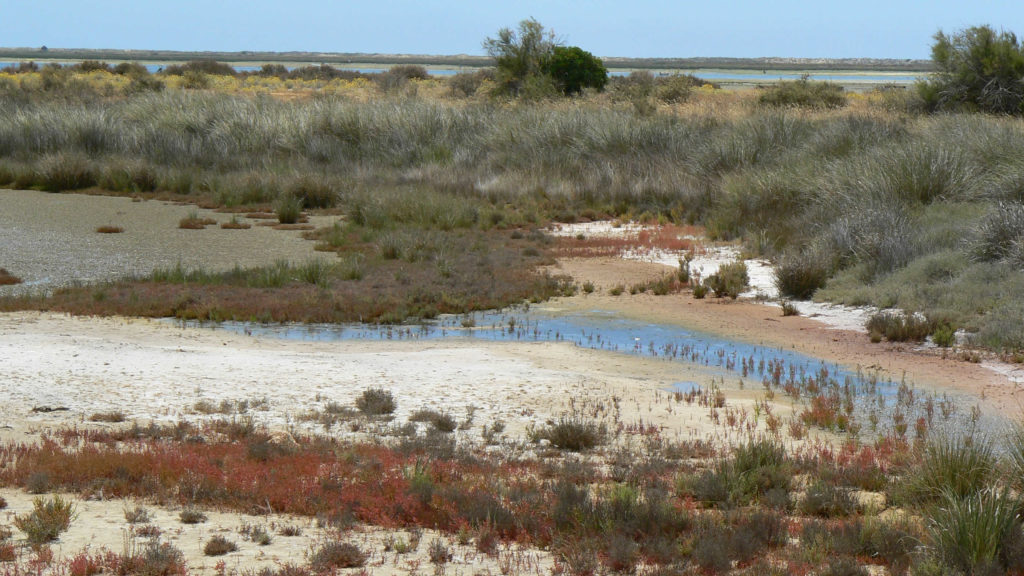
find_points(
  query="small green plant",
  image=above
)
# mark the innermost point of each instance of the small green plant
(441, 421)
(588, 287)
(700, 291)
(617, 290)
(47, 520)
(789, 309)
(376, 402)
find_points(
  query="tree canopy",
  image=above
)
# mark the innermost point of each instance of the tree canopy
(573, 68)
(531, 58)
(977, 69)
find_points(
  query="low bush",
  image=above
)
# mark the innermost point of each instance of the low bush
(574, 434)
(219, 546)
(333, 555)
(191, 516)
(441, 421)
(803, 93)
(898, 326)
(799, 275)
(376, 402)
(136, 515)
(730, 280)
(827, 501)
(60, 172)
(47, 520)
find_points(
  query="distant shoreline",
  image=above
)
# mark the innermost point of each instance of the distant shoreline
(463, 60)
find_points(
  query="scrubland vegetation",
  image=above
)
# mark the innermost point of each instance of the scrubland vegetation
(441, 187)
(861, 198)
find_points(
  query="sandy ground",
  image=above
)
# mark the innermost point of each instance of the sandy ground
(50, 240)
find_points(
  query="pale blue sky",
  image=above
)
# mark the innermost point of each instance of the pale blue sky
(660, 28)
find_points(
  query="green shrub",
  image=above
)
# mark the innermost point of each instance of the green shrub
(977, 69)
(803, 93)
(899, 326)
(944, 336)
(441, 421)
(47, 520)
(730, 280)
(376, 402)
(799, 275)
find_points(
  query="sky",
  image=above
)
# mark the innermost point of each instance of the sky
(639, 28)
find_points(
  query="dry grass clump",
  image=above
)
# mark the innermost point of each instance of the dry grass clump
(333, 555)
(7, 279)
(112, 416)
(109, 229)
(376, 402)
(194, 222)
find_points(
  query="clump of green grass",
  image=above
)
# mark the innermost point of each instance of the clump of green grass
(288, 209)
(64, 171)
(47, 520)
(972, 533)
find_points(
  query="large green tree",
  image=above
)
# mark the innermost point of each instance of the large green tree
(976, 69)
(531, 61)
(521, 54)
(573, 69)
